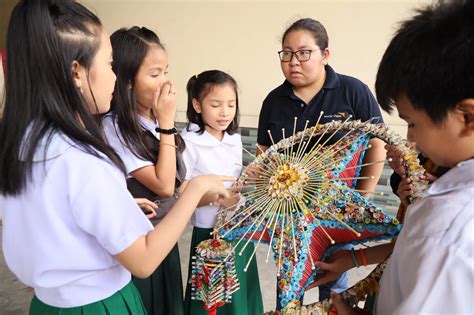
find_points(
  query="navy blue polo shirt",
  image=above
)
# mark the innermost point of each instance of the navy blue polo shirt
(339, 97)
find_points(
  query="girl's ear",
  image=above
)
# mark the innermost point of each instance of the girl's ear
(197, 106)
(78, 74)
(325, 56)
(465, 109)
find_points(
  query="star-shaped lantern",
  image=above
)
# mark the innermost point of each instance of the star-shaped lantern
(303, 201)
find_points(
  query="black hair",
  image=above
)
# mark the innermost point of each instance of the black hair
(44, 38)
(314, 27)
(199, 86)
(430, 60)
(130, 47)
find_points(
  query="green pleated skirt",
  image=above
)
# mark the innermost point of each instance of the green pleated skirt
(126, 301)
(162, 292)
(247, 300)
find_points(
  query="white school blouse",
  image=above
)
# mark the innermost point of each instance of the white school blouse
(431, 269)
(61, 232)
(115, 140)
(205, 155)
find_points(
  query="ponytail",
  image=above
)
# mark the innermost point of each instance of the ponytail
(44, 38)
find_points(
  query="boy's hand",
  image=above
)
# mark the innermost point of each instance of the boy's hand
(396, 157)
(164, 105)
(334, 266)
(342, 308)
(431, 178)
(404, 190)
(148, 207)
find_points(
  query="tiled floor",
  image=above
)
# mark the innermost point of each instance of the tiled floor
(15, 297)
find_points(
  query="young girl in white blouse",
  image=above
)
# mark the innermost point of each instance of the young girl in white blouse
(71, 230)
(213, 147)
(140, 127)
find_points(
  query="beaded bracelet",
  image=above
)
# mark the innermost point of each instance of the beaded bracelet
(171, 131)
(356, 263)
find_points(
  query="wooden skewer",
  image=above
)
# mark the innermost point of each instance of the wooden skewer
(250, 210)
(286, 149)
(259, 219)
(313, 131)
(271, 237)
(293, 138)
(276, 155)
(329, 152)
(248, 152)
(260, 239)
(301, 142)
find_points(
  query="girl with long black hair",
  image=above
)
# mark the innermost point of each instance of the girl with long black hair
(71, 230)
(140, 127)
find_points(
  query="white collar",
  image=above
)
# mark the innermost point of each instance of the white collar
(149, 125)
(460, 176)
(208, 140)
(144, 123)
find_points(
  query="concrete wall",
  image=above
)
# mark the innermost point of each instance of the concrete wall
(242, 38)
(6, 7)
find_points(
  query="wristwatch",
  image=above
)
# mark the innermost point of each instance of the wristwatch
(171, 131)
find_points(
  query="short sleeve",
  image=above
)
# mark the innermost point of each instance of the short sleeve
(366, 107)
(103, 207)
(115, 140)
(263, 124)
(442, 278)
(190, 159)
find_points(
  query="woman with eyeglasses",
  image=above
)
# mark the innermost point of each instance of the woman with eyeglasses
(314, 92)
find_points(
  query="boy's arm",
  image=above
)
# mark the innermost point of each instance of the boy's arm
(343, 260)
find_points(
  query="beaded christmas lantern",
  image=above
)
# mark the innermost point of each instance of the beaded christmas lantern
(299, 197)
(214, 277)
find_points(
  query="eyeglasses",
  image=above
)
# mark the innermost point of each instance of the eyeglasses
(301, 55)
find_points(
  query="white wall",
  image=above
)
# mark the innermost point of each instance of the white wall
(242, 38)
